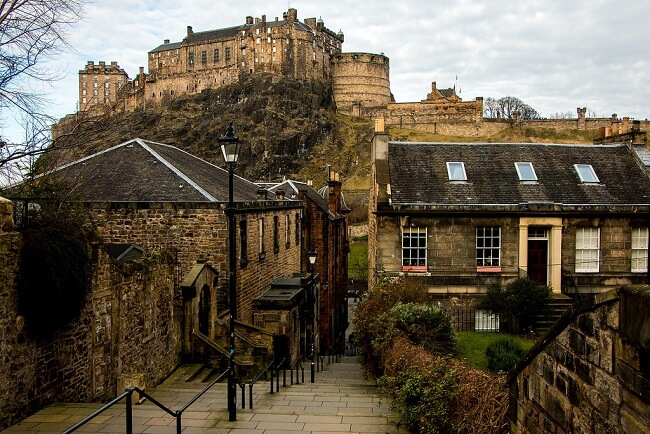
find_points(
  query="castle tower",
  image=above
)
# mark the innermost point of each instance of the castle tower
(360, 83)
(100, 84)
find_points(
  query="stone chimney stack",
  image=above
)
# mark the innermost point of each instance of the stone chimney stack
(379, 165)
(189, 30)
(334, 190)
(264, 20)
(249, 20)
(262, 193)
(292, 15)
(166, 41)
(279, 194)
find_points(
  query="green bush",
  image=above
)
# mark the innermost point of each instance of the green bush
(523, 299)
(424, 325)
(503, 354)
(423, 396)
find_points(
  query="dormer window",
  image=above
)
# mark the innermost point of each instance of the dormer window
(526, 171)
(456, 171)
(586, 173)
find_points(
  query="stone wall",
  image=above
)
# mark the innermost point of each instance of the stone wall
(129, 325)
(587, 374)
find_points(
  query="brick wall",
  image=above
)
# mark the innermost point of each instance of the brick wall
(586, 375)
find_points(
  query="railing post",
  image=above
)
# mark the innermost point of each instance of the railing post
(243, 395)
(250, 396)
(303, 374)
(313, 374)
(277, 380)
(284, 377)
(179, 423)
(129, 411)
(272, 370)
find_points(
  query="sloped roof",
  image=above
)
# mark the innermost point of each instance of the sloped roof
(292, 188)
(143, 171)
(418, 174)
(167, 46)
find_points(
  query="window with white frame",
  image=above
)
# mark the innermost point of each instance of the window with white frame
(456, 171)
(587, 250)
(414, 248)
(525, 171)
(488, 246)
(639, 250)
(586, 173)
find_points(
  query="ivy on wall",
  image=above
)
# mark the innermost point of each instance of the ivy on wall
(54, 274)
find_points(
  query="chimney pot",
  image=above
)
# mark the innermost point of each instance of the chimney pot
(166, 41)
(262, 193)
(189, 30)
(279, 193)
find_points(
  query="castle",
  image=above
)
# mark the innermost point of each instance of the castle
(304, 50)
(202, 60)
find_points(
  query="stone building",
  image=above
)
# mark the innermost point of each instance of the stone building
(101, 85)
(155, 203)
(591, 372)
(325, 231)
(461, 216)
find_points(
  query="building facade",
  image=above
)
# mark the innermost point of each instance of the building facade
(462, 216)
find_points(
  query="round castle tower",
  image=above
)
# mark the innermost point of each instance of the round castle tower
(360, 83)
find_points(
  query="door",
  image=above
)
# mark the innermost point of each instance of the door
(538, 261)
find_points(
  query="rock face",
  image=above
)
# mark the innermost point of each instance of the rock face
(279, 120)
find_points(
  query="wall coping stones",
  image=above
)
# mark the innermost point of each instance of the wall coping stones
(634, 322)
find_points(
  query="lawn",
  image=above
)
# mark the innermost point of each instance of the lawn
(471, 346)
(358, 260)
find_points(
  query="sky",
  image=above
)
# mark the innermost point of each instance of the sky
(555, 55)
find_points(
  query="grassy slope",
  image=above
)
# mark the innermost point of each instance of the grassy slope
(472, 346)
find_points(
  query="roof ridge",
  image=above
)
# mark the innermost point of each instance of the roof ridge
(174, 169)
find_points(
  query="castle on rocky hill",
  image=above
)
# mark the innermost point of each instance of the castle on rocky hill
(304, 50)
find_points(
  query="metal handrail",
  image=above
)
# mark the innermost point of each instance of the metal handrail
(250, 386)
(297, 365)
(128, 394)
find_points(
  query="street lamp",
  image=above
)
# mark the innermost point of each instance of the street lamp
(230, 147)
(311, 256)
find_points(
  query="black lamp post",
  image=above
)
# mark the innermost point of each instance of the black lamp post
(311, 256)
(230, 146)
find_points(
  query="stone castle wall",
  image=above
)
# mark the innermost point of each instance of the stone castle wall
(588, 374)
(360, 83)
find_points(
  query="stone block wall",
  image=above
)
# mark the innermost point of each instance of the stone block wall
(585, 375)
(129, 325)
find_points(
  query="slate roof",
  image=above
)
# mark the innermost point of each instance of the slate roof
(168, 46)
(292, 188)
(143, 171)
(418, 174)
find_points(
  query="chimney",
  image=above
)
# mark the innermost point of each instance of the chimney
(279, 194)
(166, 41)
(263, 20)
(257, 20)
(113, 64)
(249, 20)
(334, 197)
(310, 182)
(379, 125)
(262, 193)
(102, 64)
(189, 30)
(292, 15)
(142, 70)
(626, 125)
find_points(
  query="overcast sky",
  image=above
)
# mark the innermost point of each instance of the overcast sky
(555, 55)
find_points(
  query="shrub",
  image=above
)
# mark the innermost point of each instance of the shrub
(503, 354)
(523, 299)
(424, 325)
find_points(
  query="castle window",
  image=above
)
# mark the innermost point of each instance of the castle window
(243, 53)
(268, 30)
(257, 41)
(83, 92)
(83, 100)
(106, 85)
(190, 58)
(227, 53)
(257, 31)
(204, 57)
(216, 55)
(274, 49)
(268, 39)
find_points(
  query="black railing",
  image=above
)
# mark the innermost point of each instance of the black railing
(128, 395)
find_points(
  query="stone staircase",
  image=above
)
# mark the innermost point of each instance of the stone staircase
(559, 304)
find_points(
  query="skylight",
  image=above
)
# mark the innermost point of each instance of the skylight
(456, 171)
(586, 173)
(526, 172)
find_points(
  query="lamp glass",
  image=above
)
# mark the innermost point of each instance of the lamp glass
(311, 255)
(230, 150)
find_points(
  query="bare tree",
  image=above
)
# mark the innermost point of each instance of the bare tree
(506, 108)
(563, 115)
(31, 32)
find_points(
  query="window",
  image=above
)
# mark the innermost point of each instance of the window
(488, 247)
(243, 243)
(260, 237)
(227, 54)
(296, 232)
(204, 57)
(287, 229)
(216, 55)
(276, 234)
(587, 250)
(526, 172)
(639, 250)
(456, 171)
(414, 249)
(586, 173)
(190, 58)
